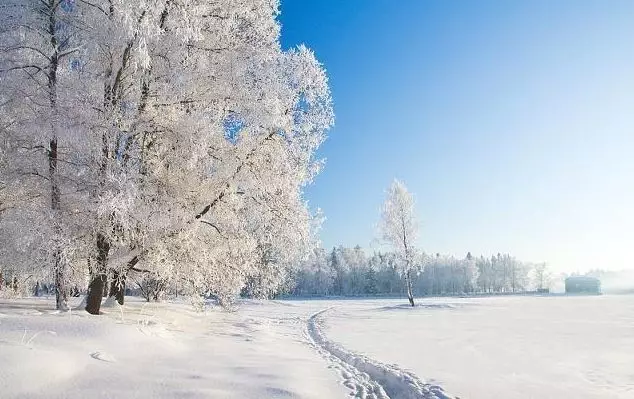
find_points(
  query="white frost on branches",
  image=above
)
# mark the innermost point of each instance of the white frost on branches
(184, 134)
(399, 228)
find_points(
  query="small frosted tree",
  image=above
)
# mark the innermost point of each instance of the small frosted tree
(399, 228)
(541, 276)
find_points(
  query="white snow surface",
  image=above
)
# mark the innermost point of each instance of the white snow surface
(161, 350)
(510, 347)
(578, 347)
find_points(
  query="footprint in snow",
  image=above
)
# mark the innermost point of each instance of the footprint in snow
(32, 312)
(105, 357)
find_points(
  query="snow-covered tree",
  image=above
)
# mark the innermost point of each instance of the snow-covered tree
(541, 276)
(485, 274)
(227, 147)
(315, 276)
(469, 274)
(185, 136)
(399, 228)
(42, 107)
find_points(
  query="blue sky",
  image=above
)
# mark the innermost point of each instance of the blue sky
(512, 122)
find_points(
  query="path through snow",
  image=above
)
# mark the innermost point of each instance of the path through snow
(368, 378)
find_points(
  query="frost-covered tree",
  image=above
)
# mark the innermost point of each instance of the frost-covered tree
(185, 138)
(469, 274)
(357, 272)
(389, 277)
(371, 284)
(399, 228)
(340, 268)
(225, 146)
(42, 118)
(519, 274)
(541, 276)
(485, 274)
(315, 275)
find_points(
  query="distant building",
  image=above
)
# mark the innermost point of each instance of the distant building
(583, 285)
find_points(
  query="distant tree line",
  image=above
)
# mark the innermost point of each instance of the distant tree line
(350, 272)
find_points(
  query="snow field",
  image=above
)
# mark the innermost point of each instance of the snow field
(476, 348)
(501, 347)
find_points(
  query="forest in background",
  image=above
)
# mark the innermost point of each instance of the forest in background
(350, 272)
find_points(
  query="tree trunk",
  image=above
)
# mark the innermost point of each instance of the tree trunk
(98, 283)
(61, 289)
(408, 281)
(117, 286)
(106, 289)
(95, 289)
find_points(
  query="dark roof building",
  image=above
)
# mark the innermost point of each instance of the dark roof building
(583, 285)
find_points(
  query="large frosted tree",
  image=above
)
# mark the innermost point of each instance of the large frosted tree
(40, 118)
(399, 228)
(185, 137)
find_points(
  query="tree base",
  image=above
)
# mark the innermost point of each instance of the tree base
(95, 294)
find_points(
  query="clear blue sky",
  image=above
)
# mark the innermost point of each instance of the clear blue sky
(512, 122)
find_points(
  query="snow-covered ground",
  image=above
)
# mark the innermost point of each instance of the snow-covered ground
(505, 347)
(512, 347)
(161, 351)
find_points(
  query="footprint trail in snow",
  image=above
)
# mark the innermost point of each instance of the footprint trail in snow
(368, 378)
